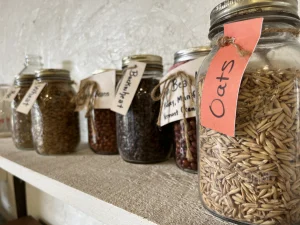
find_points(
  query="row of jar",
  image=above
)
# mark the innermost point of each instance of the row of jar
(253, 176)
(52, 126)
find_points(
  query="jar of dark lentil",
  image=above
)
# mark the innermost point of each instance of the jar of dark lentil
(140, 140)
(254, 177)
(21, 123)
(55, 124)
(180, 148)
(102, 127)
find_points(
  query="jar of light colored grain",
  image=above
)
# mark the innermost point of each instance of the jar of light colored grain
(254, 177)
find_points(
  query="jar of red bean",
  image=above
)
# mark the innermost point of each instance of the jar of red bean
(185, 163)
(102, 127)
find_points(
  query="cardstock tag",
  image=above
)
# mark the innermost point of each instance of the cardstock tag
(106, 88)
(223, 79)
(30, 97)
(11, 93)
(172, 108)
(128, 87)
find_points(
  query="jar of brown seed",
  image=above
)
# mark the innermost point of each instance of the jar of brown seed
(102, 127)
(254, 177)
(185, 163)
(55, 124)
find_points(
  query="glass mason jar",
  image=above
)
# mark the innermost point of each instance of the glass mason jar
(180, 148)
(21, 123)
(102, 127)
(5, 113)
(140, 140)
(55, 124)
(254, 177)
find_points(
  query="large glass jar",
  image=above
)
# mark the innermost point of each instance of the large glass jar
(254, 177)
(21, 123)
(180, 148)
(5, 113)
(55, 124)
(140, 140)
(102, 127)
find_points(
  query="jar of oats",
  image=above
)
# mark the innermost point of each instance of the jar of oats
(139, 139)
(21, 123)
(183, 161)
(254, 177)
(55, 124)
(102, 132)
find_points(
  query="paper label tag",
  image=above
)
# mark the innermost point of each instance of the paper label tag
(30, 97)
(128, 87)
(106, 92)
(172, 107)
(223, 79)
(11, 93)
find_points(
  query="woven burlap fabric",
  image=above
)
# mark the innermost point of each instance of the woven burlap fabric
(160, 193)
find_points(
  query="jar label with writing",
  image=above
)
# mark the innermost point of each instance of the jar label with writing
(223, 79)
(172, 107)
(30, 97)
(128, 87)
(106, 88)
(11, 93)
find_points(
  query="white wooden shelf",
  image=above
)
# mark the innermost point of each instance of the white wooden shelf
(111, 190)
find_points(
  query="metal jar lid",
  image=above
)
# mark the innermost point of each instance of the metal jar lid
(191, 53)
(154, 62)
(53, 74)
(25, 79)
(236, 10)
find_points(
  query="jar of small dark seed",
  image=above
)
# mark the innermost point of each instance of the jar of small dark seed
(102, 127)
(185, 163)
(140, 140)
(55, 124)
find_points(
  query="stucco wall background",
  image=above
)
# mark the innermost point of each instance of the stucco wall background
(93, 34)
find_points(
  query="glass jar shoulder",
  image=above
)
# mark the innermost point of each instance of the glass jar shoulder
(54, 92)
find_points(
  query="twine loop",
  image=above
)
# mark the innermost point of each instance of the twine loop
(162, 96)
(87, 93)
(227, 41)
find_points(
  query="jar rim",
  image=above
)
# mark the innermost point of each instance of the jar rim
(191, 53)
(52, 74)
(238, 10)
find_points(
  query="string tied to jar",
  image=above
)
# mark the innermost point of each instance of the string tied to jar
(163, 95)
(227, 41)
(86, 95)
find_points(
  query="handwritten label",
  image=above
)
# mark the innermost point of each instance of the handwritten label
(106, 88)
(172, 108)
(11, 93)
(30, 97)
(128, 87)
(223, 79)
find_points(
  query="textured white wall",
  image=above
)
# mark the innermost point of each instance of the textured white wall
(97, 33)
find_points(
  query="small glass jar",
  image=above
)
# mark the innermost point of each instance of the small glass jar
(5, 113)
(254, 177)
(102, 127)
(55, 124)
(140, 140)
(21, 123)
(180, 148)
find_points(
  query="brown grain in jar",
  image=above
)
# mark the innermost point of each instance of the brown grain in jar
(55, 124)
